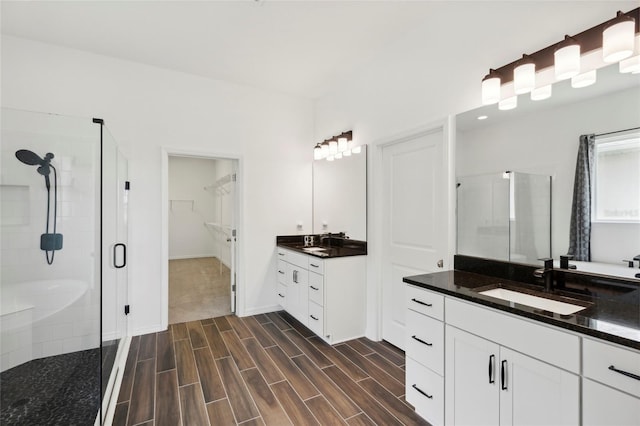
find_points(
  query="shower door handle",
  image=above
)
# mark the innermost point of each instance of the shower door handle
(124, 255)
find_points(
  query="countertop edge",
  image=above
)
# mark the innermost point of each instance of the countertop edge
(298, 250)
(633, 344)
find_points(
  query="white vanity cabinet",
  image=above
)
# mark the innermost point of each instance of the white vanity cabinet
(611, 384)
(326, 295)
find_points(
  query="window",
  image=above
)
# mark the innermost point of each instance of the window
(617, 178)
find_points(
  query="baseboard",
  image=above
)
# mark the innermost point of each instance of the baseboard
(192, 256)
(260, 310)
(146, 330)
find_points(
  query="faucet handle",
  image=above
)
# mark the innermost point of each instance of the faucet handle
(548, 262)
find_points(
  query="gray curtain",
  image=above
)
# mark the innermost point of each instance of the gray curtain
(580, 228)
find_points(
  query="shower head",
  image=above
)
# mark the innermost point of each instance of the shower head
(29, 157)
(32, 159)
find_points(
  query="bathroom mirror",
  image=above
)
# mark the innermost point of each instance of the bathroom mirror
(340, 196)
(541, 137)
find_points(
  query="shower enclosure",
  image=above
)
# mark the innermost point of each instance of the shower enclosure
(504, 216)
(63, 275)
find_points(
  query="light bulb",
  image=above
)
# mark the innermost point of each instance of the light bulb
(567, 60)
(490, 89)
(541, 93)
(584, 79)
(618, 39)
(325, 149)
(524, 77)
(317, 152)
(509, 103)
(342, 144)
(333, 147)
(631, 65)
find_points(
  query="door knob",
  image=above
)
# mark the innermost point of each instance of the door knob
(440, 263)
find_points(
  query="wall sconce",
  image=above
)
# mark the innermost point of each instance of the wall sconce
(615, 37)
(335, 148)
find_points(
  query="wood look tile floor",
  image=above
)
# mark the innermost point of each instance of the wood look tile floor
(261, 370)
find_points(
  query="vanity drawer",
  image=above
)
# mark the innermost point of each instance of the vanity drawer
(316, 265)
(282, 271)
(599, 357)
(425, 391)
(425, 302)
(316, 318)
(281, 292)
(297, 259)
(316, 288)
(425, 341)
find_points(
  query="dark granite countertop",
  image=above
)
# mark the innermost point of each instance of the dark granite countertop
(613, 306)
(332, 247)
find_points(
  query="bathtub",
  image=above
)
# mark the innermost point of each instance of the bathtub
(42, 298)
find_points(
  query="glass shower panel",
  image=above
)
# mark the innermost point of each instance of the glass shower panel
(49, 269)
(530, 217)
(483, 216)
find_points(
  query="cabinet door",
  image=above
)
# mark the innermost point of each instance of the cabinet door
(604, 406)
(298, 292)
(535, 393)
(472, 379)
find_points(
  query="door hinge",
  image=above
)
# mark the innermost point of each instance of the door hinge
(127, 185)
(233, 232)
(126, 309)
(233, 287)
(233, 177)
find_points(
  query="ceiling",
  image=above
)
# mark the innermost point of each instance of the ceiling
(297, 47)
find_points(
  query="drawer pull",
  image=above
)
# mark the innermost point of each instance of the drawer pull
(280, 272)
(421, 341)
(295, 276)
(315, 266)
(280, 294)
(624, 373)
(492, 379)
(280, 254)
(314, 318)
(421, 302)
(421, 391)
(314, 288)
(503, 375)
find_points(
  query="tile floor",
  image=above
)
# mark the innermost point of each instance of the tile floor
(198, 288)
(260, 370)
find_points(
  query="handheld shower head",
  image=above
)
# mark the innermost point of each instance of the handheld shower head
(29, 158)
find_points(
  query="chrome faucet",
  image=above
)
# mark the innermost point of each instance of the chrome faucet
(546, 273)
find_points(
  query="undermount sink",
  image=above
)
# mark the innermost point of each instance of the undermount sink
(562, 308)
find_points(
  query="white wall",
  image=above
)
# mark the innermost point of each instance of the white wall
(147, 109)
(547, 143)
(190, 207)
(416, 83)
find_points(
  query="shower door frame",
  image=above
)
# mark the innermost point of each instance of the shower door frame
(238, 219)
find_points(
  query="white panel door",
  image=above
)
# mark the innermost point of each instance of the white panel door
(414, 221)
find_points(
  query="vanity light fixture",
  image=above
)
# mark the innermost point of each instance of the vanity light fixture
(541, 93)
(615, 37)
(507, 104)
(566, 58)
(491, 88)
(631, 65)
(618, 38)
(334, 148)
(583, 80)
(524, 75)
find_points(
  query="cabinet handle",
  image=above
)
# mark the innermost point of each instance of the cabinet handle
(624, 373)
(280, 272)
(280, 294)
(280, 254)
(314, 288)
(421, 341)
(314, 318)
(503, 375)
(315, 266)
(295, 276)
(421, 391)
(421, 302)
(492, 379)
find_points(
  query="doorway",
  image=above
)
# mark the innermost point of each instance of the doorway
(201, 237)
(414, 231)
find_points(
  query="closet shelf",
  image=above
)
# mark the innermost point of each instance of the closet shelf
(218, 185)
(218, 226)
